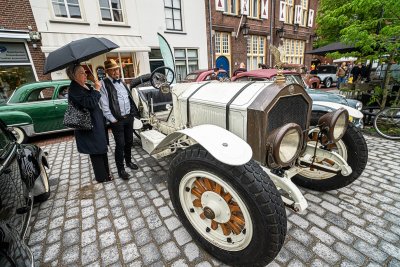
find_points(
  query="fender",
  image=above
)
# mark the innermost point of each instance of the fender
(40, 183)
(334, 106)
(222, 144)
(15, 118)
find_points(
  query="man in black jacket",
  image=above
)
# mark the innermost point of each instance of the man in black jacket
(119, 108)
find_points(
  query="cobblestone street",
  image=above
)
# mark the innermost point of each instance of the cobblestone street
(132, 223)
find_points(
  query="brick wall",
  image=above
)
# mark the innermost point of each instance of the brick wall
(17, 15)
(222, 22)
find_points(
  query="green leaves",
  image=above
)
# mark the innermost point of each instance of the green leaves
(373, 26)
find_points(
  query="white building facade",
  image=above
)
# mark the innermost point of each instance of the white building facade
(131, 24)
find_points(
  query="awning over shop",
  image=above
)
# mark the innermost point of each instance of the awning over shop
(127, 43)
(14, 34)
(330, 48)
(345, 59)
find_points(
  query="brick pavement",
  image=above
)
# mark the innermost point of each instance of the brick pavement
(133, 223)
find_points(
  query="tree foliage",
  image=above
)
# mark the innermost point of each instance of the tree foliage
(372, 26)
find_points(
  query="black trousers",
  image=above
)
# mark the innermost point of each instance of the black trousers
(100, 167)
(123, 136)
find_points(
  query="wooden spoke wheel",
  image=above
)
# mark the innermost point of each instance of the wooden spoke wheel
(216, 209)
(234, 212)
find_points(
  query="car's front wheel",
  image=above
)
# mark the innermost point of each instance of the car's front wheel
(234, 212)
(328, 83)
(353, 148)
(19, 134)
(41, 188)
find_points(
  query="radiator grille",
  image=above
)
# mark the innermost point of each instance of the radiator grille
(286, 110)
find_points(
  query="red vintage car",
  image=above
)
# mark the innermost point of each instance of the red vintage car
(263, 74)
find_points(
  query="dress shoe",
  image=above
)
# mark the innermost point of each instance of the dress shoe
(132, 165)
(124, 175)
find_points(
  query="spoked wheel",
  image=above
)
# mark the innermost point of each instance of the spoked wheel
(387, 123)
(210, 203)
(234, 212)
(161, 78)
(352, 147)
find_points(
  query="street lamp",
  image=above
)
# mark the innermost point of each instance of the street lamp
(295, 27)
(280, 32)
(314, 37)
(245, 29)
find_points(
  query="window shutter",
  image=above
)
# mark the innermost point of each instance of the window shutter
(220, 5)
(264, 9)
(245, 6)
(297, 18)
(282, 11)
(310, 17)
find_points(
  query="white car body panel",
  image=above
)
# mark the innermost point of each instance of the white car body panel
(209, 104)
(334, 106)
(222, 144)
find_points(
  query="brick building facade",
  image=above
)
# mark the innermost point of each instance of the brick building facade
(21, 59)
(288, 25)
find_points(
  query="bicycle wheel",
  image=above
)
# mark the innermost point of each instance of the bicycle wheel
(387, 123)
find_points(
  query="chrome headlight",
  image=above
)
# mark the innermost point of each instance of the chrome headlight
(284, 145)
(359, 105)
(334, 124)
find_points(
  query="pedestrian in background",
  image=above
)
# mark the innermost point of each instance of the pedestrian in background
(341, 74)
(242, 68)
(120, 109)
(92, 142)
(359, 73)
(214, 75)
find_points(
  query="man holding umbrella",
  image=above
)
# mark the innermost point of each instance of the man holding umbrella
(119, 108)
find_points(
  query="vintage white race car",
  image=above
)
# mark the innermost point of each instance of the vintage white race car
(239, 148)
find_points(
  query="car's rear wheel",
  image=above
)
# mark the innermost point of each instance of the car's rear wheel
(20, 135)
(234, 212)
(328, 83)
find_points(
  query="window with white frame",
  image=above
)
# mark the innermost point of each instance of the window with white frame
(255, 8)
(294, 51)
(67, 9)
(222, 43)
(289, 11)
(232, 6)
(173, 14)
(255, 51)
(111, 10)
(304, 13)
(186, 61)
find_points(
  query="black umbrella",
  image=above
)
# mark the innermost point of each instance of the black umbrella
(76, 52)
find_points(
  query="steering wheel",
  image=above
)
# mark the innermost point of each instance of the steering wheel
(162, 81)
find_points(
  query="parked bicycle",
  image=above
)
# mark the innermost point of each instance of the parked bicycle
(387, 123)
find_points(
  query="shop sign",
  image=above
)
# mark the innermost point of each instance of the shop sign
(13, 53)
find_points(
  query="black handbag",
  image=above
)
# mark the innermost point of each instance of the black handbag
(77, 118)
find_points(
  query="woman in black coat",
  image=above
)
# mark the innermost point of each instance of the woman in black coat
(92, 142)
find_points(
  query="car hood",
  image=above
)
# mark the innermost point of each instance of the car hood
(326, 97)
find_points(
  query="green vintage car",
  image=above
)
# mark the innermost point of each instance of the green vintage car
(36, 108)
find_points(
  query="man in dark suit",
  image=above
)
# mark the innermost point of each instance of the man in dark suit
(120, 109)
